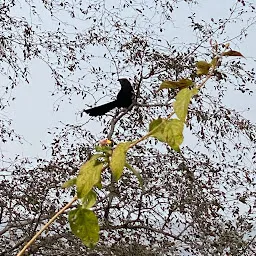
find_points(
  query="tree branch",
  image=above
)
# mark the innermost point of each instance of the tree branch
(47, 225)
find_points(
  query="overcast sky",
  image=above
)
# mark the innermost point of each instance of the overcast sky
(33, 111)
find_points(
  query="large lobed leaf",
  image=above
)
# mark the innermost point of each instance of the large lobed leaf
(89, 176)
(84, 224)
(203, 67)
(118, 159)
(182, 83)
(183, 98)
(169, 131)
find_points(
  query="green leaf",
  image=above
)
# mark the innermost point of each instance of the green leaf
(136, 173)
(171, 132)
(89, 175)
(84, 224)
(202, 67)
(69, 183)
(99, 185)
(156, 128)
(155, 123)
(174, 133)
(214, 62)
(182, 83)
(89, 200)
(183, 98)
(105, 149)
(118, 159)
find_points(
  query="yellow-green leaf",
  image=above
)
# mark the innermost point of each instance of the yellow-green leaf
(183, 98)
(214, 62)
(105, 149)
(136, 173)
(182, 83)
(173, 131)
(89, 175)
(232, 53)
(156, 129)
(153, 124)
(169, 131)
(84, 224)
(98, 185)
(202, 67)
(118, 159)
(69, 183)
(89, 200)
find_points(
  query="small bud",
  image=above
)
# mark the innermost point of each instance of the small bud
(105, 142)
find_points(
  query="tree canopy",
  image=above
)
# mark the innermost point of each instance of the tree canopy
(172, 175)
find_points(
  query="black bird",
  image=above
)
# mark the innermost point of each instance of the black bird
(123, 100)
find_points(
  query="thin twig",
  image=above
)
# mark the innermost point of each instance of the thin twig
(116, 118)
(46, 225)
(152, 105)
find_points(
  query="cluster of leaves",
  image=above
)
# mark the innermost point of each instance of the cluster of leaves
(83, 221)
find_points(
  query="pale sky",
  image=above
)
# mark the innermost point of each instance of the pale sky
(33, 110)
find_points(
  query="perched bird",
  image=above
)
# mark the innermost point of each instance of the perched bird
(123, 100)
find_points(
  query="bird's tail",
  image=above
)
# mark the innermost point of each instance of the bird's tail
(101, 110)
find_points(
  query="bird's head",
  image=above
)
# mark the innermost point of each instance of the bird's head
(124, 81)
